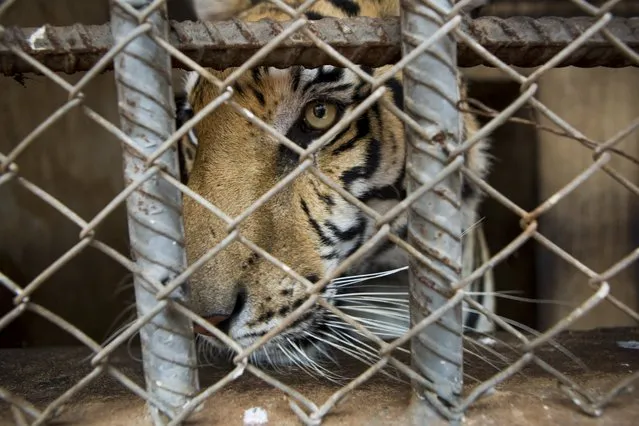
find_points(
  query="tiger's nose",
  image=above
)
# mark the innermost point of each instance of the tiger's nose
(214, 320)
(223, 320)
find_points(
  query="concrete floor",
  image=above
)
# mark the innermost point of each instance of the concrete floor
(529, 398)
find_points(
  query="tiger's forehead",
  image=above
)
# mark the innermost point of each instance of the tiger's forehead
(308, 82)
(290, 89)
(328, 75)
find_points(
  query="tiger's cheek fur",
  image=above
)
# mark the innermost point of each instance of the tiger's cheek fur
(235, 165)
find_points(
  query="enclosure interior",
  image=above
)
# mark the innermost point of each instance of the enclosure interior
(79, 163)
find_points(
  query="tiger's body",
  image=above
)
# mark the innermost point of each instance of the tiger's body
(307, 225)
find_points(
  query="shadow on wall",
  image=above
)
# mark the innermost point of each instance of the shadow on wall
(76, 161)
(513, 173)
(73, 160)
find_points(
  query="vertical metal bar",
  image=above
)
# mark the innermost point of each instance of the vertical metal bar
(146, 105)
(435, 222)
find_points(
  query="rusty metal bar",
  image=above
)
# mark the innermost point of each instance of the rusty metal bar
(143, 79)
(518, 41)
(434, 220)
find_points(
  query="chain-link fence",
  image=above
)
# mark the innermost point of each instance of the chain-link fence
(424, 46)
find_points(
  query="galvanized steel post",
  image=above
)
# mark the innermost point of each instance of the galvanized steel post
(146, 105)
(435, 222)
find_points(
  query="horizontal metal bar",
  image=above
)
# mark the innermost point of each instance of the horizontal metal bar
(518, 41)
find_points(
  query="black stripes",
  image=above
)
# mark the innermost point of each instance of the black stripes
(257, 74)
(363, 128)
(325, 75)
(398, 92)
(337, 235)
(370, 166)
(314, 16)
(183, 113)
(330, 235)
(395, 191)
(312, 278)
(237, 88)
(349, 233)
(324, 86)
(349, 7)
(325, 198)
(331, 256)
(324, 239)
(296, 77)
(259, 96)
(368, 70)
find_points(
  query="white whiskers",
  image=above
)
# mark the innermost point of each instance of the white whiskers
(356, 279)
(385, 313)
(380, 307)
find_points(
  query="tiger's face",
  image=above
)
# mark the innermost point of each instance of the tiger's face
(307, 225)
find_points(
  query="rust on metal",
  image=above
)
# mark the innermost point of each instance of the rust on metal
(517, 41)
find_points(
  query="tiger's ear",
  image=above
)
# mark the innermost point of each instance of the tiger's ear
(187, 145)
(218, 10)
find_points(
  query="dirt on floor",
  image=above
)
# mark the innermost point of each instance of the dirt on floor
(531, 397)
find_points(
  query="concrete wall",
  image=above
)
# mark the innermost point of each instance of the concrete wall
(598, 222)
(74, 160)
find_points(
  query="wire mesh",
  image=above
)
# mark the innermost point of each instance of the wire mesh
(435, 159)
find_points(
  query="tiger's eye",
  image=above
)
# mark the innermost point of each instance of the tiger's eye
(320, 115)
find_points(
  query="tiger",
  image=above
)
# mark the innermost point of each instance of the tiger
(307, 225)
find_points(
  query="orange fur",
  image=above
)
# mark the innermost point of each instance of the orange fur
(236, 163)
